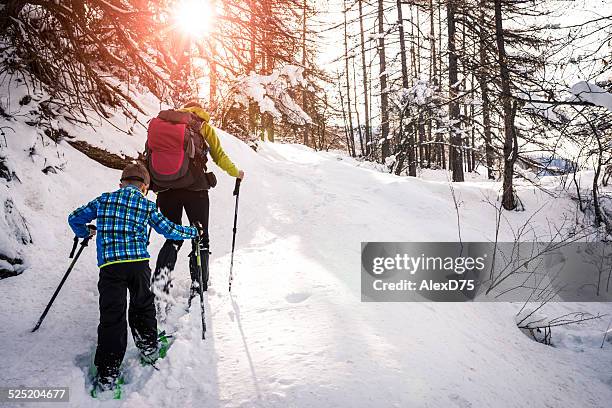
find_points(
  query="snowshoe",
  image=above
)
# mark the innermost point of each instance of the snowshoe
(103, 390)
(163, 344)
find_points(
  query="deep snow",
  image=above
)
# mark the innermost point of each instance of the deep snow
(294, 332)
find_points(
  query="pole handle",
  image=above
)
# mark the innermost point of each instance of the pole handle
(75, 242)
(237, 187)
(91, 228)
(231, 274)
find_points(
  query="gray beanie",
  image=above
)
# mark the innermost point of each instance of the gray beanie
(136, 172)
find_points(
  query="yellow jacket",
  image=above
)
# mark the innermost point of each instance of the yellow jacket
(209, 135)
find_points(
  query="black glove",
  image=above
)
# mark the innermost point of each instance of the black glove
(202, 234)
(91, 229)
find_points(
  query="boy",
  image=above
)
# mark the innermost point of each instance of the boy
(121, 243)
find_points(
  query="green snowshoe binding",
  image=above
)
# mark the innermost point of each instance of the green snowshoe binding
(163, 344)
(111, 387)
(105, 388)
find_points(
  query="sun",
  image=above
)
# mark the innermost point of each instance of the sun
(194, 17)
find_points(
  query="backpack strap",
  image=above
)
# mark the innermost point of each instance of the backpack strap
(200, 147)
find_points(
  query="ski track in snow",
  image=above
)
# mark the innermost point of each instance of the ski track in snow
(293, 332)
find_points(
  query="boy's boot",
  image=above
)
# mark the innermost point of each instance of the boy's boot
(107, 382)
(149, 355)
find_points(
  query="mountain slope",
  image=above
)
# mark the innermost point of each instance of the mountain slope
(293, 332)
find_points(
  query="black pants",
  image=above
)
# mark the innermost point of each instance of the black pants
(171, 204)
(114, 282)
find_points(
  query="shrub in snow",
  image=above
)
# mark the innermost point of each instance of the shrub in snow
(539, 327)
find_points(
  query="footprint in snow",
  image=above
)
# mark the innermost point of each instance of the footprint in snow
(297, 297)
(459, 401)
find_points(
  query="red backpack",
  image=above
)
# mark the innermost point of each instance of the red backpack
(175, 152)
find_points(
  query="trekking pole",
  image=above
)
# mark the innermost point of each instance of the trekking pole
(83, 245)
(237, 194)
(201, 282)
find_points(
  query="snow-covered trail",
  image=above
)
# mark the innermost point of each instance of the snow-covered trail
(294, 332)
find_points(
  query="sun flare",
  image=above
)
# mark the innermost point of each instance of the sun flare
(194, 17)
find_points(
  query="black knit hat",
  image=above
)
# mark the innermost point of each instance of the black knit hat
(136, 172)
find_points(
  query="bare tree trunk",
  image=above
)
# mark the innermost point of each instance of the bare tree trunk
(253, 111)
(472, 136)
(400, 25)
(440, 137)
(346, 133)
(368, 129)
(357, 108)
(268, 66)
(440, 43)
(323, 123)
(418, 42)
(412, 159)
(468, 118)
(484, 90)
(384, 102)
(373, 145)
(304, 96)
(413, 61)
(473, 85)
(455, 154)
(433, 77)
(348, 85)
(510, 147)
(433, 71)
(423, 145)
(416, 69)
(418, 142)
(599, 215)
(405, 130)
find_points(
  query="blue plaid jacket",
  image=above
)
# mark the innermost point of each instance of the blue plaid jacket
(122, 219)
